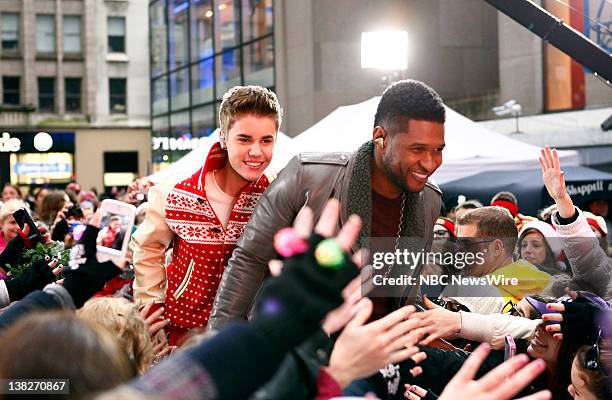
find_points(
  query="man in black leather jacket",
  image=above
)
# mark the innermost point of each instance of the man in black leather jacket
(385, 182)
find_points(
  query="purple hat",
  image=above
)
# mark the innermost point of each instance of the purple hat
(593, 299)
(540, 306)
(583, 296)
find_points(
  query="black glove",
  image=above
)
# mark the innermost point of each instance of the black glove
(84, 250)
(88, 240)
(14, 248)
(293, 304)
(88, 279)
(578, 320)
(34, 278)
(86, 276)
(60, 230)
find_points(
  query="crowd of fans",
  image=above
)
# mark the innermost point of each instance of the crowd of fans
(113, 347)
(312, 334)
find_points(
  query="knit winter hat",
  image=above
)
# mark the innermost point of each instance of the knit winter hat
(596, 222)
(550, 235)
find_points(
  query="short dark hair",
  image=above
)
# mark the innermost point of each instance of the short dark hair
(406, 100)
(251, 99)
(493, 222)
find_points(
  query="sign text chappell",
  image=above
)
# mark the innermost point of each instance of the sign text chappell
(586, 189)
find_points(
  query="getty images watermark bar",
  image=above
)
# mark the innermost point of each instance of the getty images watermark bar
(403, 267)
(34, 386)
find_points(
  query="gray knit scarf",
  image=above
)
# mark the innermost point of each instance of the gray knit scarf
(360, 198)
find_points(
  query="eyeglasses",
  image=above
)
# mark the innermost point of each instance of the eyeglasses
(449, 304)
(591, 358)
(468, 243)
(510, 308)
(441, 234)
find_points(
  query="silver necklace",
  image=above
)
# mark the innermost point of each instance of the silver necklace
(399, 233)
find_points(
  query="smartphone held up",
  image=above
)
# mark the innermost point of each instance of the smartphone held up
(23, 219)
(117, 222)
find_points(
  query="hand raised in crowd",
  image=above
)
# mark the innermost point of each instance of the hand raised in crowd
(336, 319)
(60, 227)
(46, 238)
(96, 219)
(17, 245)
(501, 383)
(154, 320)
(59, 216)
(312, 279)
(571, 318)
(437, 322)
(34, 278)
(362, 349)
(554, 180)
(87, 276)
(156, 325)
(414, 392)
(555, 317)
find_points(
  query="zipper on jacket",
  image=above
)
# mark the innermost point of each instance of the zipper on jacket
(183, 286)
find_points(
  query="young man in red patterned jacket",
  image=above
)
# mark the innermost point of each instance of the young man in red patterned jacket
(203, 216)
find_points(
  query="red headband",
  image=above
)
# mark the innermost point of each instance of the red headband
(448, 224)
(508, 205)
(593, 222)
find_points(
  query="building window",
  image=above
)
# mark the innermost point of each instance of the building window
(72, 88)
(200, 49)
(45, 34)
(259, 62)
(159, 90)
(46, 94)
(116, 34)
(117, 95)
(227, 24)
(10, 31)
(257, 19)
(10, 87)
(203, 121)
(72, 34)
(227, 71)
(201, 30)
(202, 82)
(179, 89)
(179, 33)
(159, 38)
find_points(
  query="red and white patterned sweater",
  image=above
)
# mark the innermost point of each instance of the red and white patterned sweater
(201, 246)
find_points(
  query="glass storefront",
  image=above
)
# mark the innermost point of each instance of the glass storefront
(41, 168)
(28, 159)
(199, 50)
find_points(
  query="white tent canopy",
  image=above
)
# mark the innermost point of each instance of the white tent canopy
(194, 160)
(470, 148)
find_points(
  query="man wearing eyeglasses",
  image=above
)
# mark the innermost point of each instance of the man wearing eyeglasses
(490, 234)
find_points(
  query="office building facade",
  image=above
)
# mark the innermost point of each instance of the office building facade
(77, 70)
